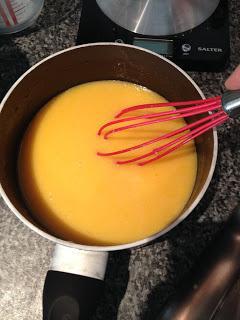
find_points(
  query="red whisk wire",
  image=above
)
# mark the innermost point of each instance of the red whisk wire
(163, 104)
(180, 136)
(213, 104)
(212, 125)
(165, 136)
(178, 115)
(177, 142)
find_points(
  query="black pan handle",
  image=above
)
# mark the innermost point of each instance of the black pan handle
(69, 296)
(75, 284)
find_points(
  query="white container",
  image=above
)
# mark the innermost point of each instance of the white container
(17, 15)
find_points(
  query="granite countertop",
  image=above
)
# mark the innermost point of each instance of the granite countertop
(139, 281)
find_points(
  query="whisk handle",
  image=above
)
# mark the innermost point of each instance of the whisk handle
(231, 103)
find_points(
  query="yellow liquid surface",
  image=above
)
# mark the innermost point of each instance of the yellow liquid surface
(85, 198)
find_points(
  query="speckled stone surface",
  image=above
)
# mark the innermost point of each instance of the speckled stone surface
(139, 281)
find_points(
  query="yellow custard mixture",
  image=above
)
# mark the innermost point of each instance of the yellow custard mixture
(88, 199)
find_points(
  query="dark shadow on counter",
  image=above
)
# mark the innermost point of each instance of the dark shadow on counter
(116, 282)
(13, 63)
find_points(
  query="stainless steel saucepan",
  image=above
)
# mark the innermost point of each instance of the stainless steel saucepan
(74, 282)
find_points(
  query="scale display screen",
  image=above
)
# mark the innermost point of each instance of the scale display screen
(164, 47)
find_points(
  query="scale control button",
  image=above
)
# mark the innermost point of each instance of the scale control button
(186, 47)
(119, 41)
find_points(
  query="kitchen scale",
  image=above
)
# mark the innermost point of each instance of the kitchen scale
(205, 47)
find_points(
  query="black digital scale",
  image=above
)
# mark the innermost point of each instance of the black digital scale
(203, 48)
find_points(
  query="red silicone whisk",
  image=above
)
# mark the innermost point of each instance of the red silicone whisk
(220, 108)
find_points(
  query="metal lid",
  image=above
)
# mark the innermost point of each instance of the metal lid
(158, 17)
